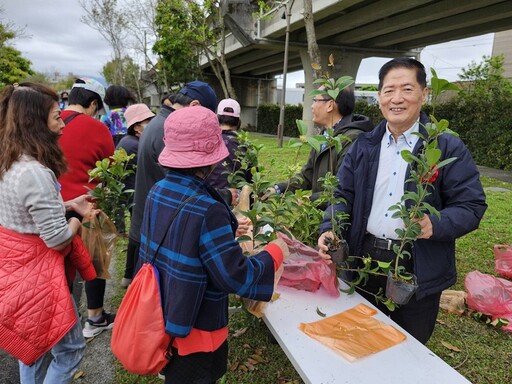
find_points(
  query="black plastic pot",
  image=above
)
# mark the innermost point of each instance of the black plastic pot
(338, 250)
(400, 291)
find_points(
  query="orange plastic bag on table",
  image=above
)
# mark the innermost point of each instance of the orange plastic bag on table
(99, 235)
(354, 333)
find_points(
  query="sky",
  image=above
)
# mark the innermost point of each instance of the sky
(57, 41)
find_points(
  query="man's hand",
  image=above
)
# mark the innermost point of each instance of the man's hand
(426, 227)
(322, 248)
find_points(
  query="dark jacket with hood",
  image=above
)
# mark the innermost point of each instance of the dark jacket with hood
(319, 163)
(457, 194)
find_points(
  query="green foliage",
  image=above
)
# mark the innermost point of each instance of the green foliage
(13, 67)
(268, 119)
(110, 193)
(485, 80)
(127, 67)
(480, 114)
(177, 38)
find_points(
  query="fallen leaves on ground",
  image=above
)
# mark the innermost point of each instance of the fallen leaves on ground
(251, 363)
(450, 346)
(78, 375)
(239, 332)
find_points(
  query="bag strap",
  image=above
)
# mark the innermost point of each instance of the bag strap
(153, 259)
(71, 117)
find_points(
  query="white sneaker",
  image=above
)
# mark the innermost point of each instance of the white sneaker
(94, 328)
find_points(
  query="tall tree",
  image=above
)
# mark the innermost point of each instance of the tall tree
(106, 17)
(13, 67)
(143, 32)
(313, 49)
(187, 29)
(131, 73)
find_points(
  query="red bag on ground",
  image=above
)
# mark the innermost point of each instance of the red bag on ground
(307, 271)
(503, 260)
(490, 295)
(139, 340)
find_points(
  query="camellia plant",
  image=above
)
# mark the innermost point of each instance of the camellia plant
(110, 193)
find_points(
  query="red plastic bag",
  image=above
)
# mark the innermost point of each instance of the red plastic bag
(307, 271)
(503, 260)
(490, 295)
(139, 340)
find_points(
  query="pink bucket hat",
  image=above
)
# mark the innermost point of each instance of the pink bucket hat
(192, 138)
(228, 103)
(136, 113)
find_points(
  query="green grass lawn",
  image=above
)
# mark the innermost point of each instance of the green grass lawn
(485, 355)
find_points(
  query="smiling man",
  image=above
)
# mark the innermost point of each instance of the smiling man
(372, 179)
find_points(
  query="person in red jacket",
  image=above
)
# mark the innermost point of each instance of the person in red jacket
(84, 141)
(37, 311)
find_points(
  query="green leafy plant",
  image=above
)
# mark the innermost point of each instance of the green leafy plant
(110, 193)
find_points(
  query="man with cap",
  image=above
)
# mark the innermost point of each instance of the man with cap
(84, 141)
(228, 113)
(151, 145)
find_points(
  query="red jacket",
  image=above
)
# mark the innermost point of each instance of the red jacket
(84, 141)
(36, 309)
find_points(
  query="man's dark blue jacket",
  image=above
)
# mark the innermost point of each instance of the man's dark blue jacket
(458, 196)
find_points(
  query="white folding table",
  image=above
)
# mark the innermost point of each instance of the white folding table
(407, 362)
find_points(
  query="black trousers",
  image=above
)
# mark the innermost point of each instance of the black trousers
(132, 257)
(418, 317)
(94, 289)
(197, 368)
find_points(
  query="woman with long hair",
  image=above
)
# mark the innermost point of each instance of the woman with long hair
(39, 249)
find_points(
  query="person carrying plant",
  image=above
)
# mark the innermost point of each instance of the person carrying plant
(327, 113)
(199, 261)
(374, 176)
(84, 141)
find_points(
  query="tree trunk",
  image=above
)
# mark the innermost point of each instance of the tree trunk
(313, 50)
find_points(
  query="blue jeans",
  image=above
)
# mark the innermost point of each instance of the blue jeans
(67, 355)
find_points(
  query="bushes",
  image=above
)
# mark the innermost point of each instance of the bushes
(268, 117)
(484, 124)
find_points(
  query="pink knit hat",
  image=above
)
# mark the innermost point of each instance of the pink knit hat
(136, 113)
(192, 138)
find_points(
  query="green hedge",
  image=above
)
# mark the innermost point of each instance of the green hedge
(268, 117)
(484, 126)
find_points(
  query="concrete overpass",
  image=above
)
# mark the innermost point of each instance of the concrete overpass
(349, 29)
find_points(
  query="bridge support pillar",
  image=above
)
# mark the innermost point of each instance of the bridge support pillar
(345, 64)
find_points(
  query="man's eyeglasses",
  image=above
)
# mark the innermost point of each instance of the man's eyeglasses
(321, 99)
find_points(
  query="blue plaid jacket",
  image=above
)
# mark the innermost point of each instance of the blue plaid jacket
(200, 261)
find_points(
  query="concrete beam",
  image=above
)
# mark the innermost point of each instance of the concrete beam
(493, 26)
(406, 20)
(364, 15)
(468, 19)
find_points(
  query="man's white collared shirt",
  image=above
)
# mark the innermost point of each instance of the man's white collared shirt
(389, 185)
